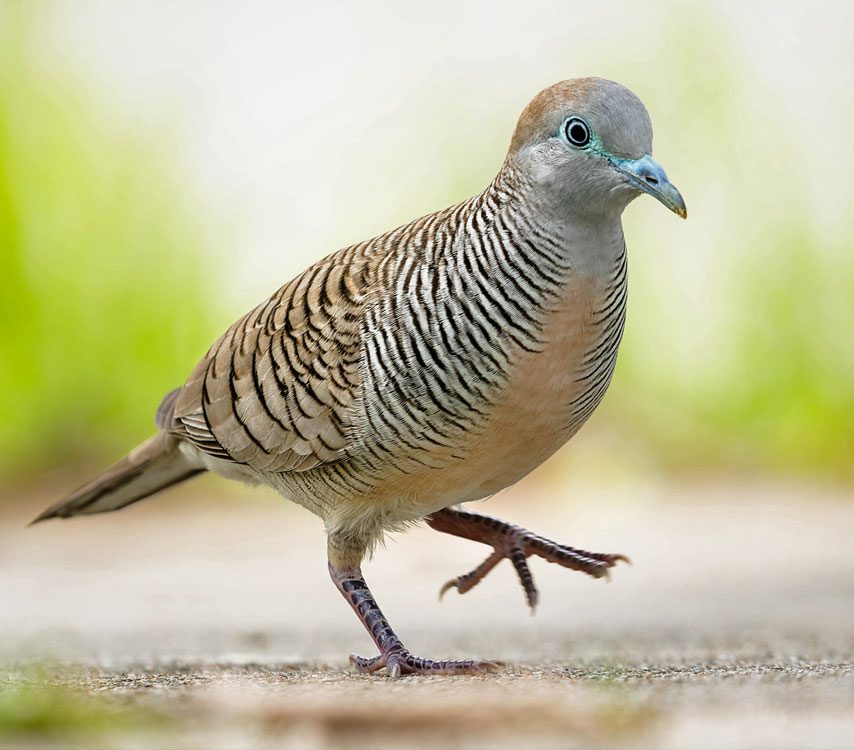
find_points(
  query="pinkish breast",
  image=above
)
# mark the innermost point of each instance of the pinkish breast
(552, 393)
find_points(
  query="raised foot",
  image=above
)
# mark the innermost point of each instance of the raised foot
(402, 663)
(517, 545)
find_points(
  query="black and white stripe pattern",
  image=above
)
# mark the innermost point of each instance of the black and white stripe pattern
(390, 357)
(469, 294)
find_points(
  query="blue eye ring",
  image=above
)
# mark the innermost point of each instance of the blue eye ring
(577, 132)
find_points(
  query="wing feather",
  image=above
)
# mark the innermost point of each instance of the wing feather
(274, 391)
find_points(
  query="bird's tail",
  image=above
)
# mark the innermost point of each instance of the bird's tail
(149, 468)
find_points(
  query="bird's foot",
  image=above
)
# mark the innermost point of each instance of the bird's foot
(401, 662)
(517, 545)
(393, 656)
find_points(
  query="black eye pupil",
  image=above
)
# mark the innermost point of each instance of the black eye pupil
(577, 133)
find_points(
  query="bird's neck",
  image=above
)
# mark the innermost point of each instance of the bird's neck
(560, 240)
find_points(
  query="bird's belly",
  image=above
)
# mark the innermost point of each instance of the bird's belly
(547, 399)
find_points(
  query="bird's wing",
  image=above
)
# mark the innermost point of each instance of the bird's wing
(274, 391)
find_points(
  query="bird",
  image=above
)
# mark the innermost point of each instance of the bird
(400, 378)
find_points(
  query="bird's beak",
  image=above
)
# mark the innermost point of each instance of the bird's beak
(648, 176)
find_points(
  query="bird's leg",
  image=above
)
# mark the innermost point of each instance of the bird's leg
(517, 545)
(393, 654)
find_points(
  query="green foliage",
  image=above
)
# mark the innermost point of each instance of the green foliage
(738, 348)
(780, 397)
(36, 714)
(738, 352)
(101, 307)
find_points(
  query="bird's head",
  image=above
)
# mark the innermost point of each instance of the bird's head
(587, 144)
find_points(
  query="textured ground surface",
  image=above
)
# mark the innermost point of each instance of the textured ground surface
(213, 624)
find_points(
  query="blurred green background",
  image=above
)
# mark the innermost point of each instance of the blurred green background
(165, 166)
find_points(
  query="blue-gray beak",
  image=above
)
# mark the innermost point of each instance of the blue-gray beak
(648, 176)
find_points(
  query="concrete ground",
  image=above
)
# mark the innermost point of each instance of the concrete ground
(734, 627)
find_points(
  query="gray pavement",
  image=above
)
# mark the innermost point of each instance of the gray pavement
(734, 627)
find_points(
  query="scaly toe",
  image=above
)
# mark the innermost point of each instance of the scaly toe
(409, 664)
(367, 666)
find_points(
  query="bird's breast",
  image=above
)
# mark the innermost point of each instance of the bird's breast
(553, 392)
(549, 394)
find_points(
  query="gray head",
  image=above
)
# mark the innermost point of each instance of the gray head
(587, 143)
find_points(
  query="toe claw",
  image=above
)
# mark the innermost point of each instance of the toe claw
(532, 596)
(452, 584)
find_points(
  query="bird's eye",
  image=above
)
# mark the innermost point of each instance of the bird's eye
(577, 132)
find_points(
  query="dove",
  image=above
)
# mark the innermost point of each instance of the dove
(402, 377)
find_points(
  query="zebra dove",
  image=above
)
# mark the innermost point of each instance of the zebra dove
(428, 367)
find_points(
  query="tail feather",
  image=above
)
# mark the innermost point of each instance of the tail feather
(149, 468)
